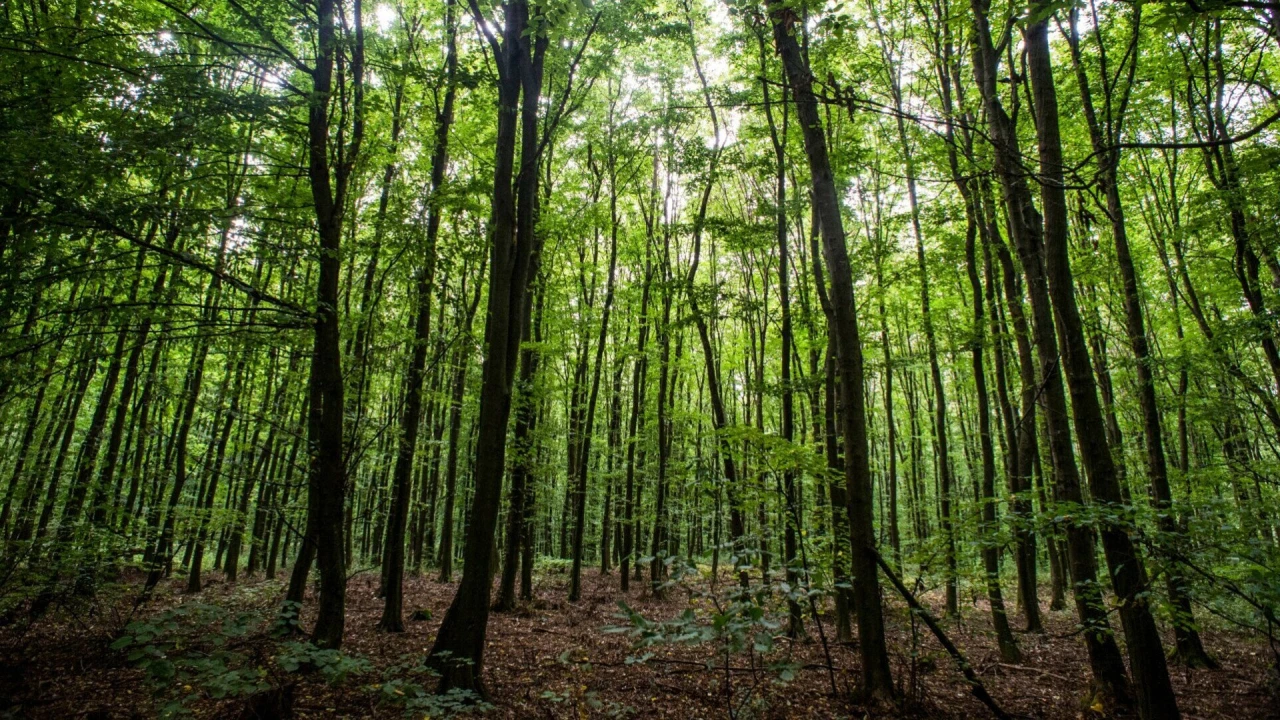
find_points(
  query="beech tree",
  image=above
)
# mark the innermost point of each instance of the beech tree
(858, 317)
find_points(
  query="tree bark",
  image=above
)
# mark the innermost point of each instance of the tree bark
(877, 682)
(1146, 655)
(458, 652)
(1107, 666)
(393, 559)
(327, 480)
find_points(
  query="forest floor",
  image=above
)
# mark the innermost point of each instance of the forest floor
(553, 659)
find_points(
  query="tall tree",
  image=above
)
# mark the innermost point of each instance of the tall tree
(458, 652)
(411, 415)
(1025, 225)
(877, 683)
(1146, 655)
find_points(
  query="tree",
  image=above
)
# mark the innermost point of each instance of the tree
(876, 680)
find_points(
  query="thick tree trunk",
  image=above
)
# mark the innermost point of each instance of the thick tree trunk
(458, 652)
(327, 481)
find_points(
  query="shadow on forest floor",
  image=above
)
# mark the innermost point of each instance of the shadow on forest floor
(553, 659)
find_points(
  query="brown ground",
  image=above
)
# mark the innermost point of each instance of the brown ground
(62, 668)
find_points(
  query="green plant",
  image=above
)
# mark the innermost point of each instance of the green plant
(737, 621)
(334, 666)
(197, 650)
(405, 683)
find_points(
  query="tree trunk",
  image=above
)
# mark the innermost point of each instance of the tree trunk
(393, 560)
(1025, 224)
(327, 481)
(584, 453)
(1146, 655)
(877, 682)
(458, 652)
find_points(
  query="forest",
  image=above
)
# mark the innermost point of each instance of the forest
(640, 358)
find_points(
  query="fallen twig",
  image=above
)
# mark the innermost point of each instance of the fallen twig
(1043, 673)
(975, 685)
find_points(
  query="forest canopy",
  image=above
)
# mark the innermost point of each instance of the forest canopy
(788, 358)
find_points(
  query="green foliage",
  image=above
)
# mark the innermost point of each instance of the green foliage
(404, 685)
(726, 622)
(333, 665)
(547, 565)
(156, 197)
(196, 650)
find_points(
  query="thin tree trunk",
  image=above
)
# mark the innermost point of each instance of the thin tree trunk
(1146, 655)
(587, 429)
(877, 682)
(1107, 666)
(411, 412)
